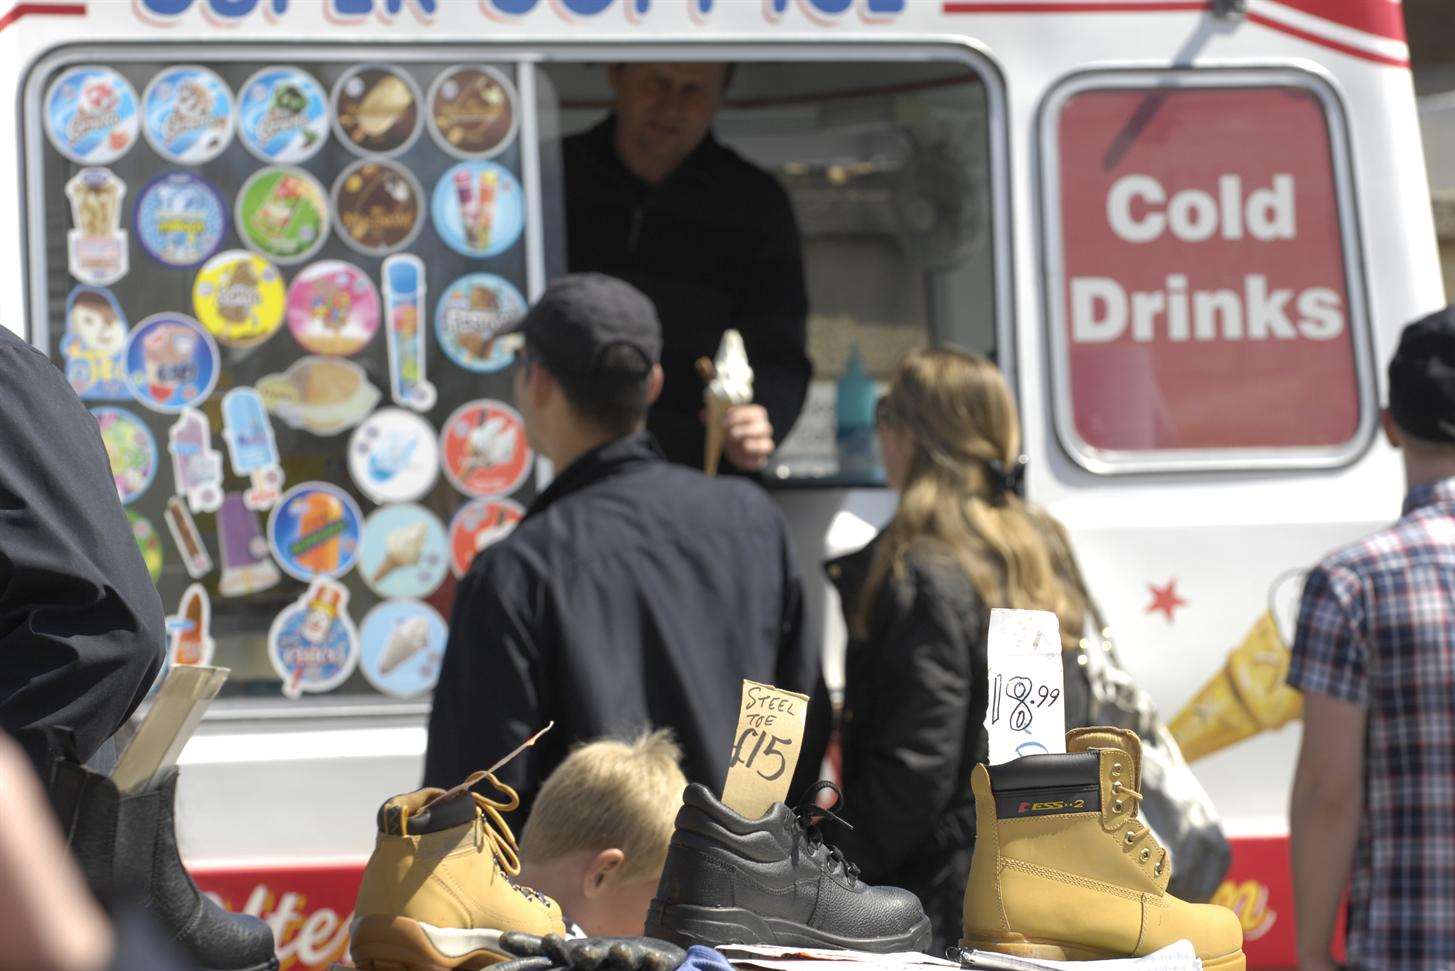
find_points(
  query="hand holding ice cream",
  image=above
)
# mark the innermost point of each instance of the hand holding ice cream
(735, 425)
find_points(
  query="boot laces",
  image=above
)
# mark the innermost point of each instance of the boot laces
(496, 831)
(811, 816)
(1137, 831)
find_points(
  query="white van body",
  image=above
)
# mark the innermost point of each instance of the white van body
(278, 807)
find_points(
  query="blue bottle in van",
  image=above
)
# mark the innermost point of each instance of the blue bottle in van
(856, 444)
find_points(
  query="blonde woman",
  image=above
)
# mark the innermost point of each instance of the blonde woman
(917, 601)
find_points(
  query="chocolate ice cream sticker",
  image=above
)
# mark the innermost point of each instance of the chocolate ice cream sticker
(473, 314)
(188, 115)
(402, 647)
(283, 115)
(131, 450)
(96, 247)
(171, 363)
(315, 531)
(379, 207)
(479, 524)
(377, 109)
(239, 297)
(484, 449)
(405, 553)
(313, 645)
(91, 115)
(180, 219)
(283, 214)
(472, 112)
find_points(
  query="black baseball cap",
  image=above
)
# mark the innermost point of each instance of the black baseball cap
(1422, 378)
(583, 316)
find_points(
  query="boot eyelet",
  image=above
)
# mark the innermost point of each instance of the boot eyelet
(1157, 871)
(1131, 837)
(1146, 855)
(1116, 807)
(1116, 769)
(1116, 787)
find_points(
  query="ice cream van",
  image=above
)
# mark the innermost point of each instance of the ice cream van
(1188, 230)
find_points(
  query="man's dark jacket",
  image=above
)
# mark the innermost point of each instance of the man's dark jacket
(635, 593)
(81, 628)
(715, 246)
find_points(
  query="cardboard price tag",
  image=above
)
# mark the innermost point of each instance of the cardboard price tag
(766, 747)
(1026, 714)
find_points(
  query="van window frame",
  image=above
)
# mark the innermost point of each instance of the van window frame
(526, 56)
(1100, 461)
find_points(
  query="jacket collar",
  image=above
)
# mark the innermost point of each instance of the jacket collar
(848, 572)
(1441, 493)
(602, 462)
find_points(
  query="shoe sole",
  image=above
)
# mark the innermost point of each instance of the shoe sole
(401, 944)
(686, 925)
(1061, 951)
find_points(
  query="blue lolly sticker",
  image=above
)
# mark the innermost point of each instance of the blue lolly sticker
(313, 645)
(248, 431)
(94, 344)
(180, 219)
(405, 553)
(91, 115)
(171, 363)
(402, 647)
(188, 114)
(131, 450)
(470, 322)
(283, 115)
(479, 209)
(196, 465)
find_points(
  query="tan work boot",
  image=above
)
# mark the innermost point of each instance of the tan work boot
(1064, 870)
(438, 893)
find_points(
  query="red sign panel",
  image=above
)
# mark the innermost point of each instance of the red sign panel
(1202, 296)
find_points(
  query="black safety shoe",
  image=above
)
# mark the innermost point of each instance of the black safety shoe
(773, 880)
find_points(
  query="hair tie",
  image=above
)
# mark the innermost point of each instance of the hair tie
(1003, 480)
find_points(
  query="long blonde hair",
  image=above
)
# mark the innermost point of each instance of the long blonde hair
(959, 413)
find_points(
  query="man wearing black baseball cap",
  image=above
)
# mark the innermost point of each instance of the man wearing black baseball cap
(635, 593)
(1374, 655)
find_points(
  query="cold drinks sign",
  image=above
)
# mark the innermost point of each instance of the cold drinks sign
(1198, 281)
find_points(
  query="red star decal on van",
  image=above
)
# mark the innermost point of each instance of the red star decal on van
(1165, 600)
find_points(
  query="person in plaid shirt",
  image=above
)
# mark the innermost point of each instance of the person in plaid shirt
(1374, 654)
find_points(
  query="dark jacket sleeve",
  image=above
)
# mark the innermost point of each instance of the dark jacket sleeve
(772, 315)
(489, 697)
(914, 742)
(81, 625)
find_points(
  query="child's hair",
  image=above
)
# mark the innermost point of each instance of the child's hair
(610, 794)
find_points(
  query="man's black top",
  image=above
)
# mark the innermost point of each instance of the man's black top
(715, 246)
(634, 594)
(81, 628)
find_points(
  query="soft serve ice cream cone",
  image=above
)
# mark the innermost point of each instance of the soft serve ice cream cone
(407, 639)
(1247, 697)
(731, 384)
(402, 547)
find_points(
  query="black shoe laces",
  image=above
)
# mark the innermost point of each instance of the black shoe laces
(811, 816)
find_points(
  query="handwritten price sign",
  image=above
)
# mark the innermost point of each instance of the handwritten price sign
(766, 746)
(1026, 714)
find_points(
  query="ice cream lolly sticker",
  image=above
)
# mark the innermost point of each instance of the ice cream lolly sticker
(283, 115)
(315, 531)
(479, 524)
(148, 544)
(484, 449)
(478, 209)
(333, 308)
(91, 115)
(189, 630)
(94, 345)
(239, 297)
(472, 315)
(246, 566)
(183, 528)
(313, 645)
(377, 109)
(187, 114)
(379, 206)
(180, 219)
(248, 431)
(402, 647)
(394, 456)
(404, 317)
(472, 112)
(196, 465)
(96, 247)
(171, 363)
(130, 449)
(405, 552)
(283, 214)
(322, 395)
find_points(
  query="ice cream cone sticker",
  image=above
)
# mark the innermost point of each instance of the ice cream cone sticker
(189, 635)
(729, 379)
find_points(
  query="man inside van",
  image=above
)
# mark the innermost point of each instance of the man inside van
(1374, 655)
(654, 199)
(635, 593)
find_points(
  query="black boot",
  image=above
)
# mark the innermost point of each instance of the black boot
(127, 847)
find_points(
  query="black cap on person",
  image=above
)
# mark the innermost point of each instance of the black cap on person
(593, 325)
(1422, 378)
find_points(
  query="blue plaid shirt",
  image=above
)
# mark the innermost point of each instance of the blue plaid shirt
(1377, 628)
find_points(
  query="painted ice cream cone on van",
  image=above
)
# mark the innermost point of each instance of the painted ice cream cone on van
(1247, 697)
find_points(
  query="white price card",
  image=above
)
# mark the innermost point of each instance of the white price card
(1026, 710)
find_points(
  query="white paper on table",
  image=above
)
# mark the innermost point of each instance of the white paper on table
(1026, 710)
(1181, 956)
(778, 958)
